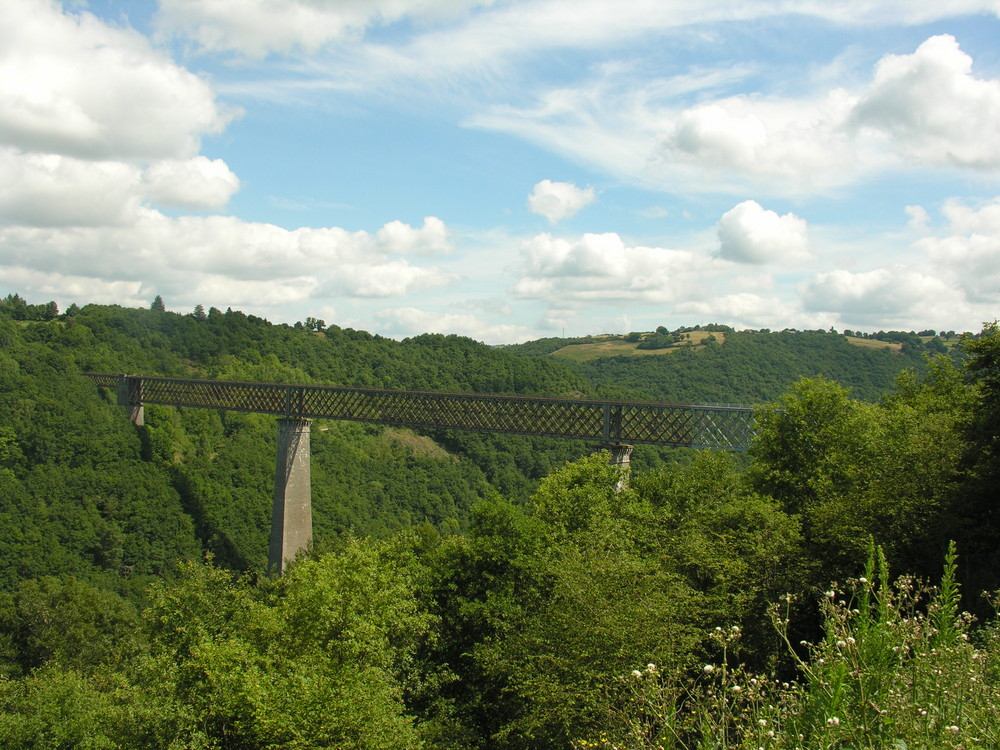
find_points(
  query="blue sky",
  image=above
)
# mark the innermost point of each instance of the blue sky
(507, 170)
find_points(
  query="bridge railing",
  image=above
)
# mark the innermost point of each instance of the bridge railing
(690, 425)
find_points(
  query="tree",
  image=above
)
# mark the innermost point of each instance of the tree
(580, 593)
(983, 372)
(157, 304)
(15, 306)
(937, 346)
(199, 312)
(979, 526)
(850, 470)
(69, 623)
(317, 659)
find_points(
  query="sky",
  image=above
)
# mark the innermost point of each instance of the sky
(507, 169)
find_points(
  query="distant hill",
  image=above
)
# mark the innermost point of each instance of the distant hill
(717, 364)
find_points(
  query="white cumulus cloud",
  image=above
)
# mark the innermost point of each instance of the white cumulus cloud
(747, 310)
(41, 189)
(198, 182)
(968, 253)
(559, 200)
(73, 85)
(255, 29)
(387, 279)
(190, 254)
(749, 233)
(926, 110)
(932, 108)
(96, 124)
(430, 239)
(900, 295)
(601, 267)
(52, 190)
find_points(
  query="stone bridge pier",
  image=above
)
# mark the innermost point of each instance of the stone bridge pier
(621, 456)
(291, 512)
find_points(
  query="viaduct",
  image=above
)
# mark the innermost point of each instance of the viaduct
(614, 424)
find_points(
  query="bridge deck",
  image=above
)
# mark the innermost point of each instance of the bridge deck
(690, 425)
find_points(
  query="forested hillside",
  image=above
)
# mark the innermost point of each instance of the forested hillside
(741, 366)
(214, 470)
(471, 591)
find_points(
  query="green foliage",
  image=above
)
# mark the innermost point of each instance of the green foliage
(316, 660)
(894, 668)
(57, 709)
(482, 591)
(659, 340)
(749, 367)
(849, 469)
(541, 610)
(79, 499)
(577, 499)
(740, 549)
(66, 623)
(973, 521)
(15, 307)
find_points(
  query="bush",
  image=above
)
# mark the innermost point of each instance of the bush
(895, 668)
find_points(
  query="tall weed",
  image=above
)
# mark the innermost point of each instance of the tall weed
(895, 668)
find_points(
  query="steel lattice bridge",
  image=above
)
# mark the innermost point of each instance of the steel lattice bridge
(688, 425)
(616, 424)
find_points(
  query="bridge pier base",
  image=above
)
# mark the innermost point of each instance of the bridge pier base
(291, 514)
(621, 456)
(130, 396)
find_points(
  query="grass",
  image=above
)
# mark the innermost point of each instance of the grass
(618, 347)
(418, 445)
(873, 343)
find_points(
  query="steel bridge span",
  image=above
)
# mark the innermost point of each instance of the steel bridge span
(615, 424)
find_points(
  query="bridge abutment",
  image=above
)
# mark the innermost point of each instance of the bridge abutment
(291, 519)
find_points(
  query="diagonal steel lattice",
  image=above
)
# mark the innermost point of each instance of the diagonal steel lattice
(688, 425)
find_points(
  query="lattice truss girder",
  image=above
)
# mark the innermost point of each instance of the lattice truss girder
(725, 427)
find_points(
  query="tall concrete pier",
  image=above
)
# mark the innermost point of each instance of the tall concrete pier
(130, 396)
(621, 456)
(291, 519)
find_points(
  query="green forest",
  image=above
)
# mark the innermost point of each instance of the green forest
(833, 587)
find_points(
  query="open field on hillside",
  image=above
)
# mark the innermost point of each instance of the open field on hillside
(873, 343)
(618, 347)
